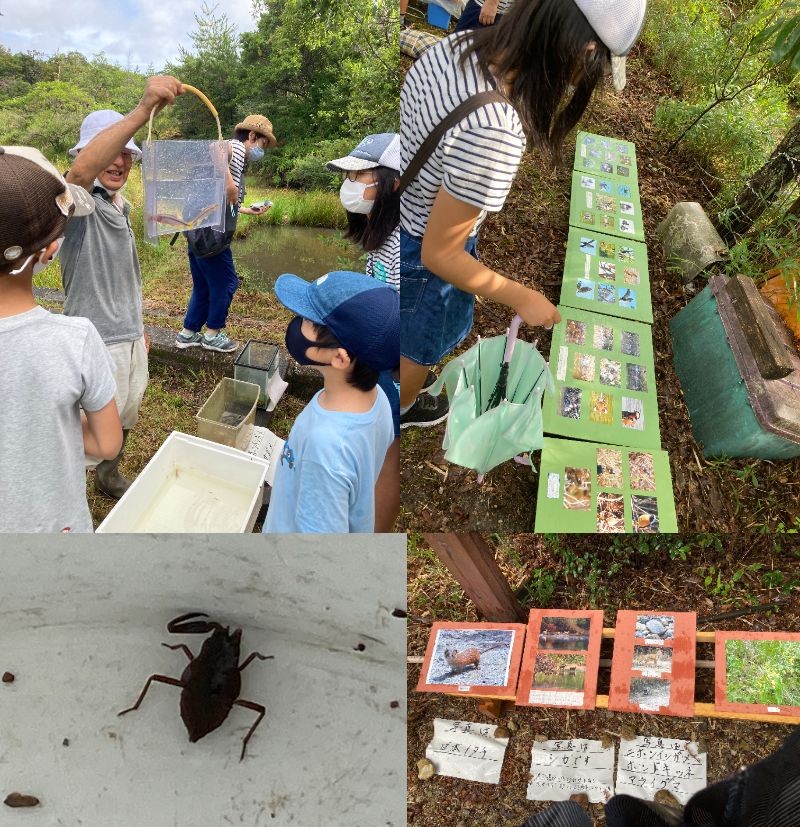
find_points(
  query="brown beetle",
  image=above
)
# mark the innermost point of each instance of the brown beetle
(212, 681)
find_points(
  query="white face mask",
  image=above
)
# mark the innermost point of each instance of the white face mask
(39, 266)
(351, 194)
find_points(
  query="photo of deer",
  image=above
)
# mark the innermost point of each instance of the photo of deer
(564, 672)
(652, 658)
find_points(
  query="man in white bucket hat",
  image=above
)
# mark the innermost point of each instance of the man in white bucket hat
(99, 264)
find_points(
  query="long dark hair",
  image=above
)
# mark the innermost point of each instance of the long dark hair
(536, 51)
(371, 231)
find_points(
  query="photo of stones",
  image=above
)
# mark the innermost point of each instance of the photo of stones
(655, 627)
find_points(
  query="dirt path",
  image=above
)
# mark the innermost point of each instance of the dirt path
(527, 241)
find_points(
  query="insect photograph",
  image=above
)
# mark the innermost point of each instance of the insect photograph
(211, 682)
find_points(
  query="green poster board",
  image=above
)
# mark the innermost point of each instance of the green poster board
(607, 275)
(605, 206)
(602, 155)
(586, 488)
(605, 388)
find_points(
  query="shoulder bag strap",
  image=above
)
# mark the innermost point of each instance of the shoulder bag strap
(435, 135)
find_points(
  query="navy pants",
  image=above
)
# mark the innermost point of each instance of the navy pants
(469, 18)
(214, 281)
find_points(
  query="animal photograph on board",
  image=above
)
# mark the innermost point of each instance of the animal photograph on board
(471, 657)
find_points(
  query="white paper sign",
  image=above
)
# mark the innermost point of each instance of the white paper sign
(561, 768)
(268, 446)
(462, 749)
(647, 765)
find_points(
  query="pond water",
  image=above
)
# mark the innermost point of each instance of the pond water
(308, 252)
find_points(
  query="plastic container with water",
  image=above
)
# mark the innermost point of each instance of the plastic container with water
(228, 415)
(184, 182)
(191, 485)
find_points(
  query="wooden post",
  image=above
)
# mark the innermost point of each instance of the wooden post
(470, 559)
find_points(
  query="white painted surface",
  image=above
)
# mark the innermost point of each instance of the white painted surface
(81, 623)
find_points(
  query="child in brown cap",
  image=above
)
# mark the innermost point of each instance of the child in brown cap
(59, 401)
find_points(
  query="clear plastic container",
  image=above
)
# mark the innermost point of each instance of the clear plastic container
(228, 415)
(184, 181)
(257, 363)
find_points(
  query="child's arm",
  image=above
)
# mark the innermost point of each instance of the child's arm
(102, 431)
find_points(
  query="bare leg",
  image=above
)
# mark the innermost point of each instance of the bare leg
(182, 646)
(160, 679)
(387, 490)
(412, 378)
(249, 659)
(261, 713)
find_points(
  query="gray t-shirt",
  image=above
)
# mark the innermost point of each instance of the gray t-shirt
(51, 367)
(100, 271)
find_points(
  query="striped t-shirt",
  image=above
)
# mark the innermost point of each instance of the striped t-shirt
(236, 166)
(476, 160)
(383, 264)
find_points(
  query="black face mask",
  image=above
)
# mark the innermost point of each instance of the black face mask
(297, 344)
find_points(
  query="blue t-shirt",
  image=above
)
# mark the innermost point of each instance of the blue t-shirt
(326, 478)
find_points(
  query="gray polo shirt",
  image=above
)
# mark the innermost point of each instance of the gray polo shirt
(100, 271)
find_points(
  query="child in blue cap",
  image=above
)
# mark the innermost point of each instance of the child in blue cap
(348, 327)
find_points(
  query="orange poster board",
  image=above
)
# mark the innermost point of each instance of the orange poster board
(473, 659)
(561, 658)
(652, 669)
(758, 672)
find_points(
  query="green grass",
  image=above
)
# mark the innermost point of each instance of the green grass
(763, 672)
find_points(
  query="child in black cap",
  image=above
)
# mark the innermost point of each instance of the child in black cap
(348, 326)
(52, 366)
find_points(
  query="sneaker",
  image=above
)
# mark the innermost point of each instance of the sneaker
(426, 410)
(219, 342)
(429, 380)
(182, 341)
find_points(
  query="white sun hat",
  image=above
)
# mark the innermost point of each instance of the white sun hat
(618, 23)
(96, 122)
(374, 151)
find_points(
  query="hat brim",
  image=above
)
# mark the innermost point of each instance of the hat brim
(130, 146)
(294, 293)
(271, 139)
(350, 164)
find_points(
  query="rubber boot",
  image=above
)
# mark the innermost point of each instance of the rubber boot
(107, 477)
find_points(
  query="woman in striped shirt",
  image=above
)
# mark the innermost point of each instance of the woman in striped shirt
(545, 58)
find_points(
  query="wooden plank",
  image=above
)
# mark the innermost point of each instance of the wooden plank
(702, 637)
(759, 328)
(470, 559)
(706, 710)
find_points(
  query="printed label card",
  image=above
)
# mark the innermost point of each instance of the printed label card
(606, 206)
(601, 155)
(586, 488)
(604, 379)
(606, 275)
(473, 659)
(653, 665)
(560, 769)
(468, 750)
(647, 765)
(758, 672)
(561, 658)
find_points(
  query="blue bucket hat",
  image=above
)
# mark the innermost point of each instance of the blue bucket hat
(363, 314)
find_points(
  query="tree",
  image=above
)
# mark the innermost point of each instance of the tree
(214, 67)
(763, 187)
